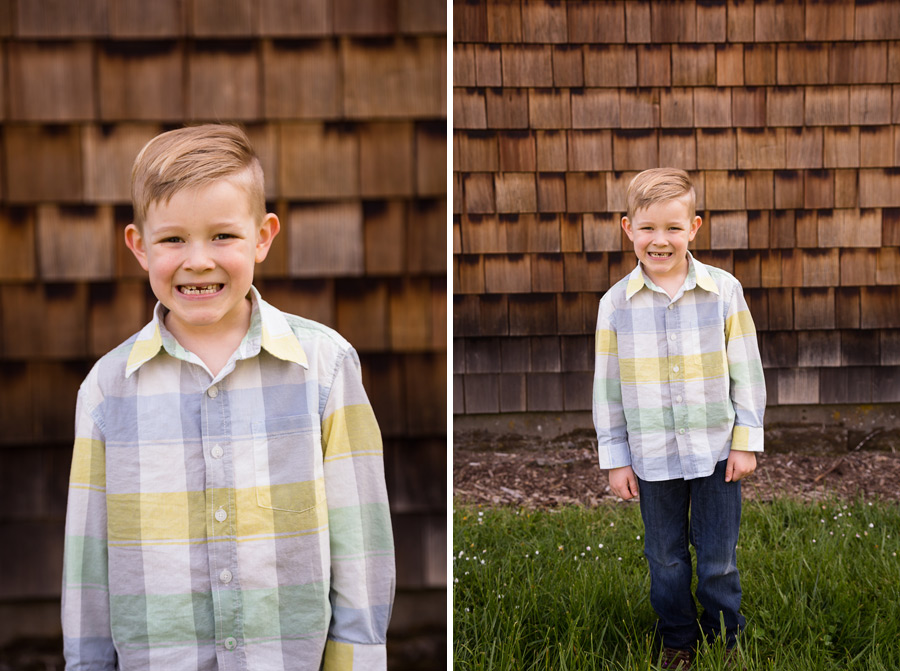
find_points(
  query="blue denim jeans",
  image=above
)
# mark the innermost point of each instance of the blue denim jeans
(705, 512)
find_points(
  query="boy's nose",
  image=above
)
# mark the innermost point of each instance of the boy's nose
(198, 258)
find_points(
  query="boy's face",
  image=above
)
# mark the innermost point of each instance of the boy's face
(200, 249)
(661, 233)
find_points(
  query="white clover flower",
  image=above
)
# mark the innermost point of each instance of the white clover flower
(600, 546)
(482, 561)
(456, 580)
(537, 552)
(871, 526)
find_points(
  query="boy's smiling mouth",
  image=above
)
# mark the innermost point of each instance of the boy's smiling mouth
(659, 255)
(199, 290)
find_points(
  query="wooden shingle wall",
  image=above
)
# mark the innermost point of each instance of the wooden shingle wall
(346, 105)
(787, 116)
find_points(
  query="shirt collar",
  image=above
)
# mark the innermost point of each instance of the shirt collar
(269, 329)
(698, 276)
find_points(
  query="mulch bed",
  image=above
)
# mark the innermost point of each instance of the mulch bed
(539, 473)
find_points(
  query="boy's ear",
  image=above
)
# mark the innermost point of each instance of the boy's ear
(265, 235)
(626, 226)
(135, 242)
(695, 226)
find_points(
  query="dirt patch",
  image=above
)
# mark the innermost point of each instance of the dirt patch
(540, 473)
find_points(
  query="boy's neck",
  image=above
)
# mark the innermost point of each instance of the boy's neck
(670, 282)
(215, 344)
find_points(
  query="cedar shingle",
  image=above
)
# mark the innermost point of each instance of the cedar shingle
(827, 106)
(778, 21)
(829, 22)
(879, 188)
(635, 150)
(383, 144)
(602, 232)
(515, 192)
(318, 161)
(116, 311)
(725, 190)
(637, 22)
(887, 266)
(431, 158)
(590, 150)
(610, 65)
(129, 19)
(791, 268)
(527, 65)
(34, 306)
(302, 81)
(551, 192)
(507, 108)
(728, 230)
(818, 348)
(858, 63)
(407, 80)
(846, 188)
(464, 65)
(760, 192)
(778, 349)
(544, 392)
(841, 147)
(223, 83)
(515, 355)
(678, 147)
(595, 108)
(759, 148)
(568, 65)
(517, 153)
(488, 69)
(544, 21)
(654, 65)
(850, 228)
(818, 189)
(846, 385)
(75, 243)
(546, 273)
(616, 185)
(586, 272)
(532, 314)
(876, 147)
(483, 234)
(877, 21)
(807, 228)
(802, 64)
(57, 18)
(532, 233)
(504, 21)
(639, 108)
(739, 21)
(470, 275)
(890, 348)
(296, 18)
(857, 267)
(716, 150)
(507, 273)
(410, 296)
(712, 107)
(846, 308)
(788, 189)
(383, 225)
(676, 107)
(421, 17)
(870, 105)
(51, 81)
(749, 107)
(890, 226)
(223, 18)
(17, 253)
(571, 236)
(42, 163)
(549, 108)
(469, 22)
(729, 63)
(482, 393)
(585, 192)
(326, 240)
(784, 106)
(782, 229)
(551, 151)
(512, 392)
(143, 82)
(803, 148)
(673, 22)
(747, 268)
(759, 65)
(109, 153)
(821, 267)
(478, 189)
(879, 307)
(593, 21)
(569, 311)
(814, 309)
(711, 21)
(469, 110)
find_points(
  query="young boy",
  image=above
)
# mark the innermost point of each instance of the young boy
(678, 406)
(227, 507)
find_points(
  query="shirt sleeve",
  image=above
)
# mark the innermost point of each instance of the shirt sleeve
(87, 639)
(362, 546)
(748, 386)
(609, 414)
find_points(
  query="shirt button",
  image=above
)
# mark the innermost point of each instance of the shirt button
(670, 307)
(212, 392)
(672, 337)
(678, 399)
(230, 643)
(225, 576)
(221, 515)
(675, 368)
(217, 452)
(681, 431)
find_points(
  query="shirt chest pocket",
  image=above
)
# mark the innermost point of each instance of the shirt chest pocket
(287, 462)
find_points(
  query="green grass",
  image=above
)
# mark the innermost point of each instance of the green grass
(568, 589)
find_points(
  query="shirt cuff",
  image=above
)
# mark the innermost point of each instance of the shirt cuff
(354, 657)
(747, 438)
(614, 455)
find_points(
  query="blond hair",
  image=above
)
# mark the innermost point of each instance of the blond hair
(192, 157)
(657, 185)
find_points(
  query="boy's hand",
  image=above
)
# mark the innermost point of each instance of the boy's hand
(623, 482)
(739, 464)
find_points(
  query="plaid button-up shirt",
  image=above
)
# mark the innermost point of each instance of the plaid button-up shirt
(678, 382)
(233, 522)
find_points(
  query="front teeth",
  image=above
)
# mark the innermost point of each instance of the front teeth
(197, 291)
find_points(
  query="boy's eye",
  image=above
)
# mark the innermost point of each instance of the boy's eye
(223, 236)
(171, 239)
